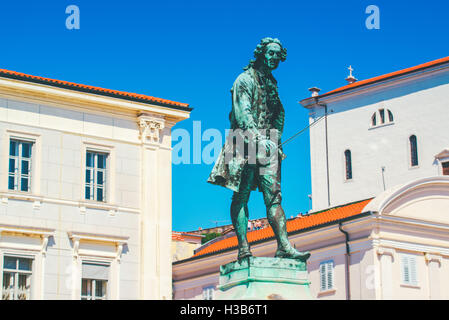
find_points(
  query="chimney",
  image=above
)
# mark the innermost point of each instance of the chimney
(315, 91)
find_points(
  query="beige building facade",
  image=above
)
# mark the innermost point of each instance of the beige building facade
(85, 191)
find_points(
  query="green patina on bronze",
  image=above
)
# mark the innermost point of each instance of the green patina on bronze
(257, 110)
(260, 278)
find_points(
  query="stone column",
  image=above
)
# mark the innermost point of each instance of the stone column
(156, 220)
(386, 259)
(433, 267)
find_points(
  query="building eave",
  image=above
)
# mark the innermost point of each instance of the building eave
(377, 81)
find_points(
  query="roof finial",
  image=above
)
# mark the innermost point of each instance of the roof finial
(351, 78)
(315, 91)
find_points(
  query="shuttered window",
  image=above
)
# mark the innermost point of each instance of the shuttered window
(208, 293)
(409, 270)
(95, 271)
(94, 281)
(326, 275)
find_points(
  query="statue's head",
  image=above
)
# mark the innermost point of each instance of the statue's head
(268, 53)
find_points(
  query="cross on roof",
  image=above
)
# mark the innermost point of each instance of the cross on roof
(350, 71)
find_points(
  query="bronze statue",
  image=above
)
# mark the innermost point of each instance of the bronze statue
(257, 121)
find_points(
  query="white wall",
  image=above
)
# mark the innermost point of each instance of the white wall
(63, 134)
(419, 107)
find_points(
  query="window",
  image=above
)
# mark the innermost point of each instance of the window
(348, 164)
(373, 120)
(326, 275)
(445, 166)
(16, 278)
(413, 151)
(94, 281)
(208, 293)
(381, 117)
(390, 116)
(19, 173)
(96, 176)
(409, 272)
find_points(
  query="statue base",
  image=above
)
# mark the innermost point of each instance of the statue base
(262, 278)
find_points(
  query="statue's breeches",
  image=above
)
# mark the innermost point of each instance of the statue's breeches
(267, 178)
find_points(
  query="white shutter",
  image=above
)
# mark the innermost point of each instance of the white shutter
(405, 270)
(413, 273)
(95, 271)
(326, 275)
(322, 276)
(330, 275)
(409, 269)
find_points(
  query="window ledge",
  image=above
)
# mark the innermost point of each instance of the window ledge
(326, 292)
(83, 204)
(381, 125)
(20, 195)
(413, 286)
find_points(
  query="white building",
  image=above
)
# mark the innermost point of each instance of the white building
(373, 233)
(379, 133)
(85, 191)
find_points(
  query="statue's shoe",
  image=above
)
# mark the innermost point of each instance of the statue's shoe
(244, 253)
(292, 253)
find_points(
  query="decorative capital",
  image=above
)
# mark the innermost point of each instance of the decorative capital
(385, 251)
(150, 127)
(429, 257)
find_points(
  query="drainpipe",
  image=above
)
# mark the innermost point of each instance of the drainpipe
(327, 157)
(348, 261)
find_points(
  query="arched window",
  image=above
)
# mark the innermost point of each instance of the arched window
(413, 151)
(390, 116)
(381, 117)
(348, 164)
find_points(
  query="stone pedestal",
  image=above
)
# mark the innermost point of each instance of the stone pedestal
(261, 278)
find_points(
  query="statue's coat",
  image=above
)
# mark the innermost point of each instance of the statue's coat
(255, 106)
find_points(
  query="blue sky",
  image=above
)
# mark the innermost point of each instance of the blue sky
(192, 51)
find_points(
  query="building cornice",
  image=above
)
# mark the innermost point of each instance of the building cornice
(42, 92)
(369, 86)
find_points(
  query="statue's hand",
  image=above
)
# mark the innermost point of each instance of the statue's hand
(268, 145)
(267, 152)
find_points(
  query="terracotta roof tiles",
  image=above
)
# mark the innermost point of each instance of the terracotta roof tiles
(92, 89)
(294, 225)
(387, 76)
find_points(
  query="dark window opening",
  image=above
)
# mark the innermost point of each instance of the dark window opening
(413, 151)
(390, 116)
(382, 115)
(348, 163)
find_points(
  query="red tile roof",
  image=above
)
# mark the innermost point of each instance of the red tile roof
(387, 76)
(181, 236)
(301, 223)
(97, 90)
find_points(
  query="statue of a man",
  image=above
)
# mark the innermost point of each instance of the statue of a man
(257, 119)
